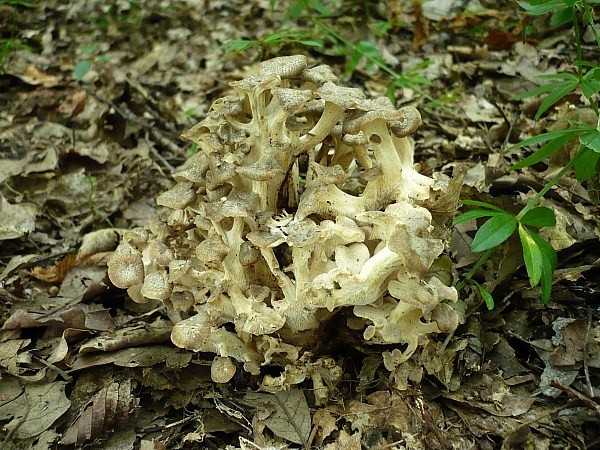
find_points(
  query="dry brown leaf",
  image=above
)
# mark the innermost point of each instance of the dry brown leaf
(493, 396)
(345, 442)
(109, 409)
(154, 333)
(90, 317)
(32, 407)
(56, 272)
(15, 220)
(146, 356)
(33, 76)
(325, 422)
(290, 417)
(11, 356)
(575, 337)
(421, 24)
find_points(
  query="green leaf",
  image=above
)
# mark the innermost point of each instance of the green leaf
(494, 232)
(310, 43)
(591, 140)
(352, 62)
(22, 3)
(485, 295)
(474, 214)
(540, 8)
(295, 11)
(482, 205)
(584, 63)
(562, 16)
(82, 68)
(532, 255)
(547, 137)
(585, 166)
(539, 217)
(554, 97)
(559, 76)
(549, 262)
(365, 49)
(239, 45)
(589, 88)
(544, 152)
(323, 10)
(546, 87)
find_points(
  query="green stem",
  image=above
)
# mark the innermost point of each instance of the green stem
(486, 255)
(555, 179)
(588, 10)
(482, 259)
(395, 75)
(579, 50)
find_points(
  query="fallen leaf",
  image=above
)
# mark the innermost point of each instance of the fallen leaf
(109, 408)
(494, 396)
(14, 263)
(33, 407)
(15, 220)
(290, 418)
(146, 356)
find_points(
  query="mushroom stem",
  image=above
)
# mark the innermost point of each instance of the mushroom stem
(331, 114)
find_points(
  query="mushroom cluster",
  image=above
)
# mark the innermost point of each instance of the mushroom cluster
(302, 201)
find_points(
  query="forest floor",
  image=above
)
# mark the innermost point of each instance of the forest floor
(93, 99)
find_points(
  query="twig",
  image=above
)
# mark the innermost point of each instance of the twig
(586, 369)
(576, 395)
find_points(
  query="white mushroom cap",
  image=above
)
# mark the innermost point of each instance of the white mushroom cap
(222, 369)
(446, 317)
(319, 75)
(156, 286)
(192, 333)
(135, 294)
(283, 66)
(126, 269)
(180, 196)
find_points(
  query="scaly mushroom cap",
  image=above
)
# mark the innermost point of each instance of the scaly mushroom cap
(319, 75)
(284, 66)
(156, 286)
(126, 270)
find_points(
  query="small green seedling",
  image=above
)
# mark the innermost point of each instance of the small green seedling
(272, 42)
(325, 36)
(539, 256)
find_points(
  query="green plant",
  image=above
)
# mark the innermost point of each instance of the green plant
(20, 3)
(12, 42)
(272, 42)
(7, 46)
(538, 255)
(84, 65)
(126, 16)
(325, 36)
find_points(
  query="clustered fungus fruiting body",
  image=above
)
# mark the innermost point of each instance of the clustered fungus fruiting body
(302, 200)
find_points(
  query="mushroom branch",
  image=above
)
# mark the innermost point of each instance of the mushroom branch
(301, 207)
